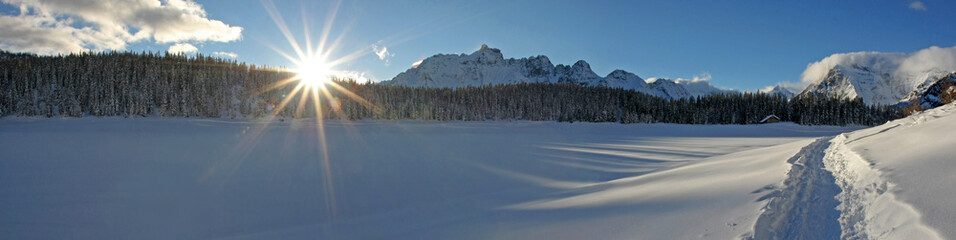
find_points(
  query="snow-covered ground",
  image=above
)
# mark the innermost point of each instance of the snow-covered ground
(114, 178)
(892, 181)
(905, 170)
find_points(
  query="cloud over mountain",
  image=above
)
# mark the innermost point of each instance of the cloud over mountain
(900, 65)
(878, 78)
(63, 26)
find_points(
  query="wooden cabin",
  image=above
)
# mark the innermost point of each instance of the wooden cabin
(770, 119)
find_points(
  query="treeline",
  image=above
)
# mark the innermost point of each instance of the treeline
(165, 85)
(130, 84)
(570, 103)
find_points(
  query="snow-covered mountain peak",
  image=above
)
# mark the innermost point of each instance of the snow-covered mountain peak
(878, 78)
(487, 55)
(579, 73)
(623, 76)
(665, 88)
(700, 88)
(624, 79)
(487, 66)
(779, 90)
(581, 66)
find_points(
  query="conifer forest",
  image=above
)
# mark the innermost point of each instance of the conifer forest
(169, 85)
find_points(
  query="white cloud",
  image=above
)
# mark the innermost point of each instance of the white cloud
(766, 89)
(796, 87)
(917, 6)
(703, 77)
(416, 63)
(789, 86)
(931, 60)
(382, 52)
(19, 34)
(909, 69)
(62, 26)
(816, 71)
(226, 54)
(360, 77)
(182, 48)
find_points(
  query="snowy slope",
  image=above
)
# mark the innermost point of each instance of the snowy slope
(932, 95)
(700, 88)
(665, 88)
(487, 66)
(114, 178)
(875, 87)
(888, 182)
(914, 158)
(623, 79)
(878, 78)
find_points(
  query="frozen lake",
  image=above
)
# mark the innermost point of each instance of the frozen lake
(148, 178)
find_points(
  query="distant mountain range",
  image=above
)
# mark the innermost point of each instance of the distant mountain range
(487, 66)
(780, 90)
(877, 78)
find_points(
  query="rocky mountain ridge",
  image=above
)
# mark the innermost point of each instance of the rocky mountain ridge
(487, 66)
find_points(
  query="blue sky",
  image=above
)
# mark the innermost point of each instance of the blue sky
(740, 44)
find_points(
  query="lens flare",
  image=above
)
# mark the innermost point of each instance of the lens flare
(314, 78)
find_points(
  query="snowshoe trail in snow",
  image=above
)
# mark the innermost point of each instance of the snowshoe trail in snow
(869, 209)
(805, 208)
(833, 193)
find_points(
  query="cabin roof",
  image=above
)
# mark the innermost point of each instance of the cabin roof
(770, 116)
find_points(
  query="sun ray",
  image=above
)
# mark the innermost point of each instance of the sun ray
(338, 40)
(375, 109)
(313, 86)
(324, 149)
(283, 27)
(330, 100)
(302, 101)
(315, 76)
(288, 98)
(283, 54)
(305, 28)
(275, 85)
(327, 28)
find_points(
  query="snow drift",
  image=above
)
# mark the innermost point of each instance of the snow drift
(914, 157)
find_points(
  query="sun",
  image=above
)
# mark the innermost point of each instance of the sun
(314, 72)
(312, 78)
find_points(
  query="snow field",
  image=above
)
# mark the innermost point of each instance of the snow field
(146, 178)
(890, 182)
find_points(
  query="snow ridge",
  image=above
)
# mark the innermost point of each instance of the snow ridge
(868, 208)
(831, 192)
(487, 66)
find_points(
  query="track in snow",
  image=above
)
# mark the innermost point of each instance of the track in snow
(805, 208)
